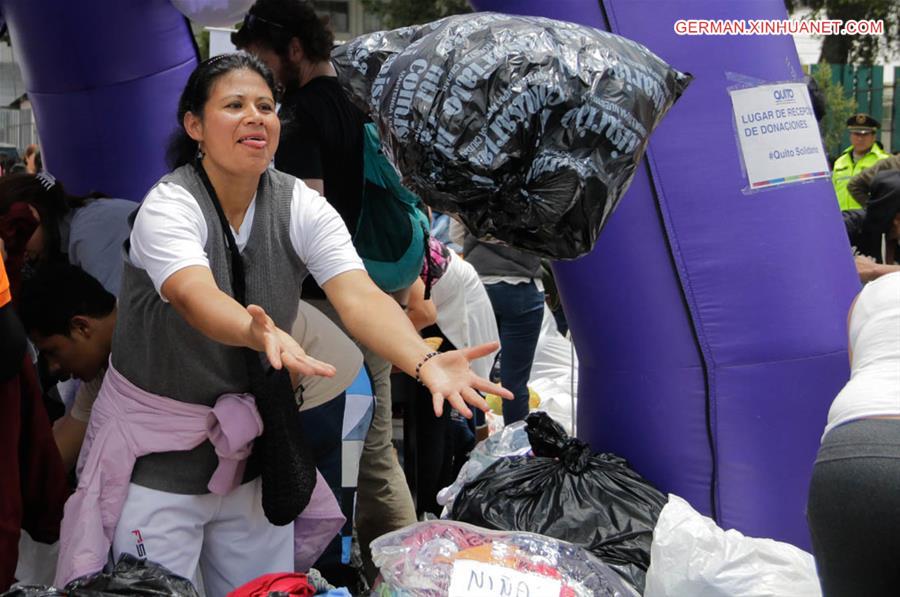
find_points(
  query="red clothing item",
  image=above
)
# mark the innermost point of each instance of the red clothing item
(33, 485)
(294, 585)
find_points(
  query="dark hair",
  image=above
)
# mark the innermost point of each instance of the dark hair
(57, 293)
(182, 149)
(48, 196)
(277, 21)
(884, 201)
(865, 227)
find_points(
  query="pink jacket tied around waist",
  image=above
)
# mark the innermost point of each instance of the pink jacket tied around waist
(128, 422)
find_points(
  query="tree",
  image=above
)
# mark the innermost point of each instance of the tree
(838, 109)
(201, 38)
(400, 13)
(855, 49)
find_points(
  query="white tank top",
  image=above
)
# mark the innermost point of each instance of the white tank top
(874, 386)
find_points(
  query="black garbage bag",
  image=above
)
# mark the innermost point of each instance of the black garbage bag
(132, 576)
(565, 491)
(526, 129)
(33, 591)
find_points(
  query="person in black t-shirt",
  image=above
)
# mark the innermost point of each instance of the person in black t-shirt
(322, 131)
(322, 144)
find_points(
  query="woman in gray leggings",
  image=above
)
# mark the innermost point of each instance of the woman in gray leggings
(854, 496)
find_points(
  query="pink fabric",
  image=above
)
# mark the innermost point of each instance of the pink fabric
(316, 526)
(437, 260)
(126, 423)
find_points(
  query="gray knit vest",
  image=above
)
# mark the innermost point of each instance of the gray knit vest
(156, 349)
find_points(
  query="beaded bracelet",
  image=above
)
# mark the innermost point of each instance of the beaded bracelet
(428, 357)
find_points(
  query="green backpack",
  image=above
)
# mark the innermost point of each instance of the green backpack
(392, 232)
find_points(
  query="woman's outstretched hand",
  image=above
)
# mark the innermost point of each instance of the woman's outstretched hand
(280, 348)
(449, 378)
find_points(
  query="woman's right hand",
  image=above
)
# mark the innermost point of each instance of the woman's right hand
(449, 377)
(280, 348)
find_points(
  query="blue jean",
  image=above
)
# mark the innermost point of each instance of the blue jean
(519, 309)
(322, 428)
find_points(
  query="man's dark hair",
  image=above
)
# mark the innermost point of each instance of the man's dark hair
(272, 23)
(58, 292)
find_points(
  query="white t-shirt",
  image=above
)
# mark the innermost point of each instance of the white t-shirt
(874, 386)
(170, 233)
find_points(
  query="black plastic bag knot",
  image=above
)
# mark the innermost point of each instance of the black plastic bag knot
(576, 455)
(546, 436)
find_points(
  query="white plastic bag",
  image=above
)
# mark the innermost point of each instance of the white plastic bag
(554, 373)
(508, 441)
(691, 555)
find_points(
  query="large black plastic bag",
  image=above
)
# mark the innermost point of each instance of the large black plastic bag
(133, 576)
(567, 492)
(527, 129)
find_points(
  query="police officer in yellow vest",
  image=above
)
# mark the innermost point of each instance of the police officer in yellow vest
(862, 153)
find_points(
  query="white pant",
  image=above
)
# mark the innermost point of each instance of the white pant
(229, 537)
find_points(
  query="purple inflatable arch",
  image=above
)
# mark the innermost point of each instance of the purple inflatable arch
(104, 78)
(710, 324)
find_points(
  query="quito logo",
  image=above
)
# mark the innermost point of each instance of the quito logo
(783, 95)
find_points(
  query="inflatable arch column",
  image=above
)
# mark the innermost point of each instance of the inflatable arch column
(710, 323)
(103, 77)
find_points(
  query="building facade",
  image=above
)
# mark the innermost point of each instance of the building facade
(349, 18)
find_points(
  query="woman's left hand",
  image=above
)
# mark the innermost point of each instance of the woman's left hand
(449, 378)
